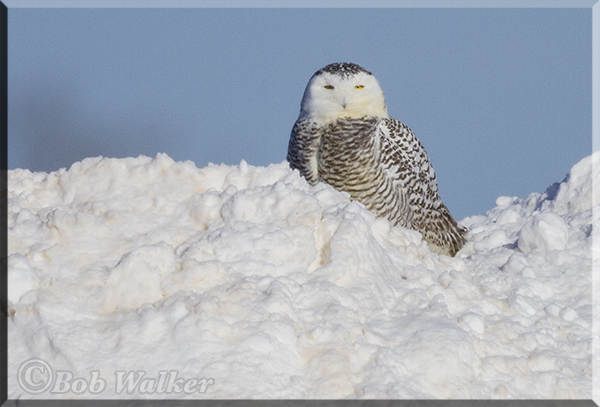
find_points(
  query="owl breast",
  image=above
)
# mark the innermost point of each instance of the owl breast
(349, 159)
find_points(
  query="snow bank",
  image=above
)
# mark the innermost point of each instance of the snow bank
(245, 282)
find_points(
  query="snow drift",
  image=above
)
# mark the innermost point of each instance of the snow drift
(264, 287)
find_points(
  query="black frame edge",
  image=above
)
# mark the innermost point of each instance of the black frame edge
(3, 201)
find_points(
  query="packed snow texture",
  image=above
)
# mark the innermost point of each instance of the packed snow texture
(272, 288)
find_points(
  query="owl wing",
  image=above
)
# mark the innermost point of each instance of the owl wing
(302, 149)
(406, 163)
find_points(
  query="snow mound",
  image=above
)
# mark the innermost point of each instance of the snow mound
(271, 288)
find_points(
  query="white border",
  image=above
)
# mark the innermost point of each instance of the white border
(299, 3)
(595, 240)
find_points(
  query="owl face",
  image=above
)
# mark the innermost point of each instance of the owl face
(330, 95)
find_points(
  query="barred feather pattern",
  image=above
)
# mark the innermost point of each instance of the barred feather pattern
(382, 164)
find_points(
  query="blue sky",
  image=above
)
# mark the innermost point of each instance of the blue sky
(500, 98)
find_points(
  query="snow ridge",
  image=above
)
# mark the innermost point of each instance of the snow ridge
(276, 289)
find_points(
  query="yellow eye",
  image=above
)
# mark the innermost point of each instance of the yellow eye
(359, 86)
(328, 86)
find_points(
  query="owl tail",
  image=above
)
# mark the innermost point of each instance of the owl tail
(442, 233)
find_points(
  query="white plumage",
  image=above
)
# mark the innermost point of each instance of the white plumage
(344, 137)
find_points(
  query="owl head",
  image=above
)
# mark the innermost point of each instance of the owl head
(342, 90)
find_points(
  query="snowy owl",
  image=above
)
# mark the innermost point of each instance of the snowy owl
(345, 138)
